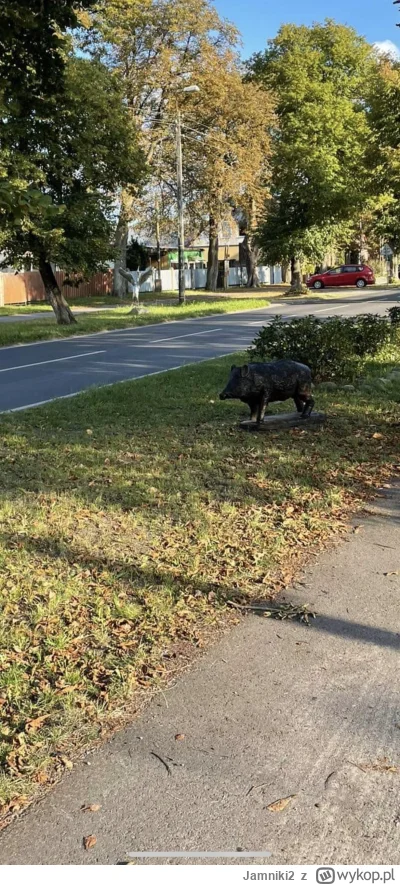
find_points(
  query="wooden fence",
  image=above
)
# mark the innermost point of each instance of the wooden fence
(27, 288)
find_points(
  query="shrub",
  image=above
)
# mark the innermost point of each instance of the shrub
(394, 315)
(334, 348)
(371, 334)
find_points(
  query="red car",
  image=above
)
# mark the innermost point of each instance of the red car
(359, 275)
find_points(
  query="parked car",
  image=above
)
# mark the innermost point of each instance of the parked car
(359, 275)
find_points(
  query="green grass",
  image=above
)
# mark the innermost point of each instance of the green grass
(43, 307)
(129, 516)
(119, 318)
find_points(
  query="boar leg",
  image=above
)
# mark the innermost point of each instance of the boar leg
(299, 402)
(253, 406)
(308, 407)
(262, 405)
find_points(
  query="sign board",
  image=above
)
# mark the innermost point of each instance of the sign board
(386, 251)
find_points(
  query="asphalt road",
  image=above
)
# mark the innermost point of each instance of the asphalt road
(33, 374)
(276, 709)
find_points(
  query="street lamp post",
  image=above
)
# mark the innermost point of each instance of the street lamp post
(179, 176)
(181, 226)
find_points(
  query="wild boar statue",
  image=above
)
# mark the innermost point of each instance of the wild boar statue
(259, 384)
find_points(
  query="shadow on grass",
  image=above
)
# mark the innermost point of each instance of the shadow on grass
(160, 447)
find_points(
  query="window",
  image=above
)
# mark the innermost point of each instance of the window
(335, 270)
(350, 268)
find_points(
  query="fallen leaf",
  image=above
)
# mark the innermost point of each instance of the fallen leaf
(34, 724)
(387, 574)
(280, 804)
(89, 842)
(42, 777)
(377, 436)
(89, 432)
(179, 737)
(67, 689)
(93, 807)
(66, 762)
(382, 765)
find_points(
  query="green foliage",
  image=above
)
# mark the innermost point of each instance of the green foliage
(319, 76)
(137, 257)
(383, 152)
(34, 41)
(394, 315)
(335, 349)
(66, 204)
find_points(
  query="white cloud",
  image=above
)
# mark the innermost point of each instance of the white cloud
(387, 47)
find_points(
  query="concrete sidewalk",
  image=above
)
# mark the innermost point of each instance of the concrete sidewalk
(275, 709)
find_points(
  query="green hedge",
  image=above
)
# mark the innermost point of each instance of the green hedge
(334, 348)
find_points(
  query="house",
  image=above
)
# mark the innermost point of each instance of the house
(196, 256)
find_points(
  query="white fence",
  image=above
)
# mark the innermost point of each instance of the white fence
(195, 278)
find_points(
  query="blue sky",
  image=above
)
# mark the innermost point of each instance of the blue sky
(259, 20)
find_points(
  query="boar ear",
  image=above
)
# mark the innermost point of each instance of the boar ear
(244, 370)
(233, 367)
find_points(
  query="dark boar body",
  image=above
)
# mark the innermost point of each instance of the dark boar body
(258, 384)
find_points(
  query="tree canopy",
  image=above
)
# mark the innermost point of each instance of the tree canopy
(318, 76)
(78, 152)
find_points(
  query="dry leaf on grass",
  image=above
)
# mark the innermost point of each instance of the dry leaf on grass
(89, 842)
(34, 724)
(179, 737)
(93, 807)
(280, 804)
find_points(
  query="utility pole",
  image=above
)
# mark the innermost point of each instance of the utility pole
(181, 228)
(158, 243)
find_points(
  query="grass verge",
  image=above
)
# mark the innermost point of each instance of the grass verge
(129, 517)
(119, 318)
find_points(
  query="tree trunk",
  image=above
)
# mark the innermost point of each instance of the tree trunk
(394, 268)
(251, 257)
(64, 315)
(120, 286)
(285, 268)
(296, 284)
(212, 261)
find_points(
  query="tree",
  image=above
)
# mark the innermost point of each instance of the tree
(319, 76)
(156, 48)
(383, 153)
(33, 43)
(226, 154)
(81, 150)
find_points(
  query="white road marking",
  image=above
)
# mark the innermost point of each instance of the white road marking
(60, 359)
(188, 335)
(339, 307)
(54, 399)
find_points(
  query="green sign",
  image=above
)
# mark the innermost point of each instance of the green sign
(188, 255)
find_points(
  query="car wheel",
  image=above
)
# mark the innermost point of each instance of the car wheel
(318, 284)
(360, 284)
